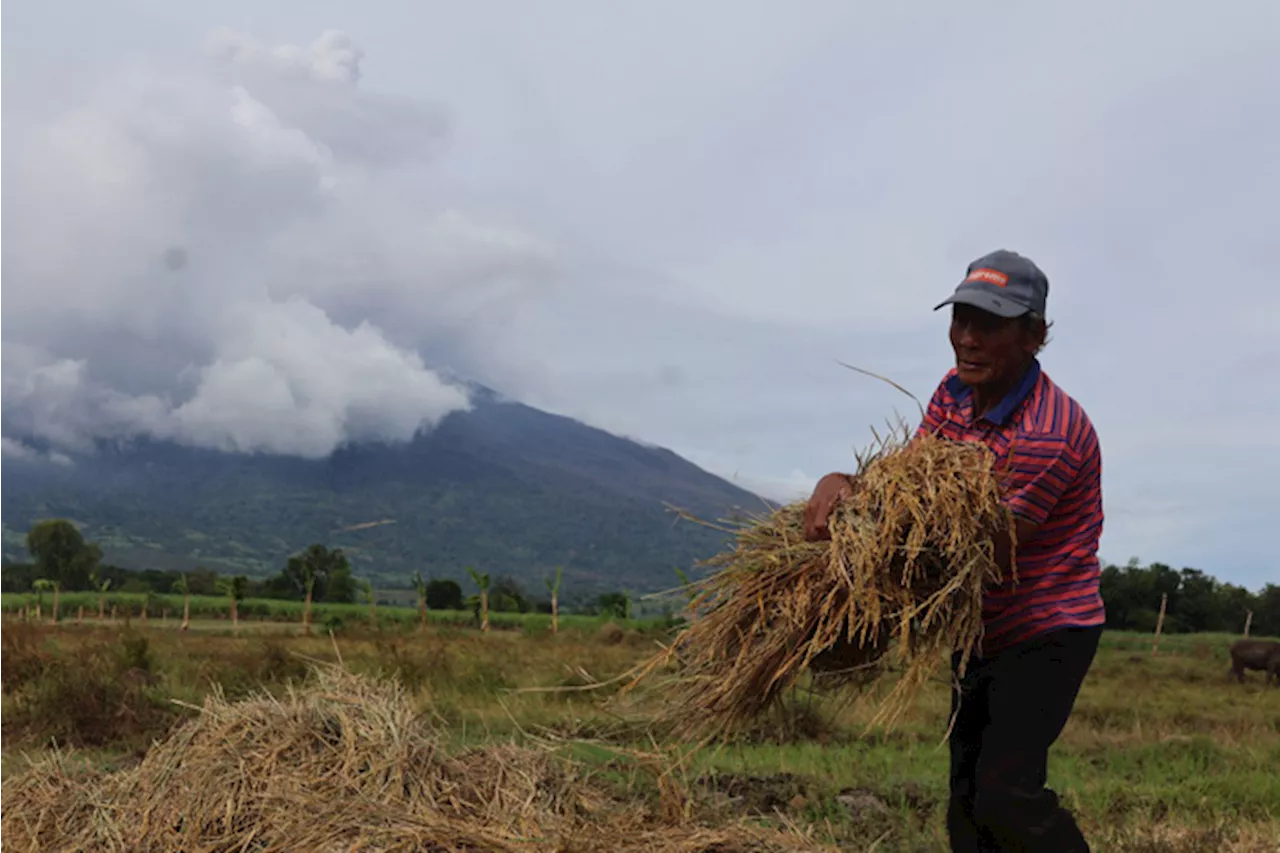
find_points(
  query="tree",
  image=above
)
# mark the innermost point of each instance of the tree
(233, 589)
(41, 585)
(61, 553)
(444, 595)
(366, 588)
(420, 586)
(482, 581)
(317, 567)
(1195, 600)
(309, 585)
(1237, 602)
(203, 582)
(616, 604)
(183, 586)
(1266, 614)
(312, 572)
(340, 587)
(1200, 602)
(506, 596)
(101, 585)
(553, 588)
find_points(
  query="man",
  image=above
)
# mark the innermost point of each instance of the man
(1040, 634)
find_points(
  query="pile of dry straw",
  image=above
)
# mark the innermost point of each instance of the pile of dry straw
(901, 581)
(345, 764)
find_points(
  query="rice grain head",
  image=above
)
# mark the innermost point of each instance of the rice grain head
(899, 584)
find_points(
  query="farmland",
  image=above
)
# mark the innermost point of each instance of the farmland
(273, 614)
(1162, 754)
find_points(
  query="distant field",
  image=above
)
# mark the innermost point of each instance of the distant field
(1163, 754)
(212, 612)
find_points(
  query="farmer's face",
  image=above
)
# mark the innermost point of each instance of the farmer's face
(991, 351)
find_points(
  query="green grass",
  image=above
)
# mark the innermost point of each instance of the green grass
(1163, 753)
(216, 609)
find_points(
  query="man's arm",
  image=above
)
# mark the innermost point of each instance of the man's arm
(1023, 530)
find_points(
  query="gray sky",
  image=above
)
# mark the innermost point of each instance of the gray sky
(268, 226)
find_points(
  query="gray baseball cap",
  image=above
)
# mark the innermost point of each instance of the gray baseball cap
(1004, 283)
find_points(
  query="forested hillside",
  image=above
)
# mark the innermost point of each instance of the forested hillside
(505, 488)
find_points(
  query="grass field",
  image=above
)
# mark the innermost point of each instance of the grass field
(268, 613)
(1163, 753)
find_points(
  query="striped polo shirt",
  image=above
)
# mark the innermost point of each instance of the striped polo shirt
(1046, 444)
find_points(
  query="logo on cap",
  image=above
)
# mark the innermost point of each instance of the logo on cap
(990, 276)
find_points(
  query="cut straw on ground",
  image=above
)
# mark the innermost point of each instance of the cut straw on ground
(345, 764)
(898, 587)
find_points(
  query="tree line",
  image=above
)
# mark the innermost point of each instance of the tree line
(1195, 601)
(62, 559)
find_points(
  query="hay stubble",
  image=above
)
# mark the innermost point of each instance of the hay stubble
(343, 764)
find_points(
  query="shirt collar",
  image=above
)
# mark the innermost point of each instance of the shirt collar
(1002, 411)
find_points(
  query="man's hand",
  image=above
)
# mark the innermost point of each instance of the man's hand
(829, 490)
(1004, 551)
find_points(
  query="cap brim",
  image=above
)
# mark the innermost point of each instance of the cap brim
(1006, 308)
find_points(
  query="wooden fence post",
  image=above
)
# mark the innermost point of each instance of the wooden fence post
(1155, 644)
(1248, 620)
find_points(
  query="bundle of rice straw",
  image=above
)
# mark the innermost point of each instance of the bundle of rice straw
(346, 763)
(901, 578)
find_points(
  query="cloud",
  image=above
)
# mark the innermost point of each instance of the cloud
(239, 257)
(16, 450)
(316, 88)
(714, 229)
(331, 58)
(290, 381)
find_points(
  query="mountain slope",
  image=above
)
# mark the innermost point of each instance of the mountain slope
(505, 487)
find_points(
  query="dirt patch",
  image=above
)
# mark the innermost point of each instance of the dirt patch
(759, 794)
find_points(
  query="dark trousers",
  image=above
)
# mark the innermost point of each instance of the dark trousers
(1010, 707)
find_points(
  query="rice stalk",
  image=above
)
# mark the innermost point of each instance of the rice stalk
(899, 584)
(344, 763)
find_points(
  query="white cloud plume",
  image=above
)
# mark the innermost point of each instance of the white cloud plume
(331, 58)
(11, 449)
(232, 259)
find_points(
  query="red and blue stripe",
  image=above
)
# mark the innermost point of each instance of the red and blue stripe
(1047, 448)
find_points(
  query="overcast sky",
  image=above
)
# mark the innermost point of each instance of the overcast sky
(278, 226)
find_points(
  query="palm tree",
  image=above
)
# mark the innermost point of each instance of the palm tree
(366, 587)
(309, 573)
(309, 585)
(41, 585)
(183, 587)
(420, 586)
(553, 587)
(234, 590)
(101, 585)
(482, 581)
